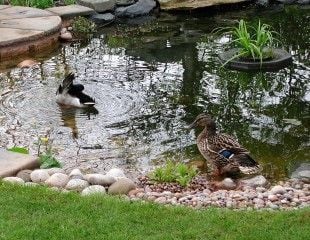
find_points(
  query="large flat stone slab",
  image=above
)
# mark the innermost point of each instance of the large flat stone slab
(22, 12)
(71, 11)
(190, 4)
(46, 24)
(98, 5)
(12, 36)
(11, 163)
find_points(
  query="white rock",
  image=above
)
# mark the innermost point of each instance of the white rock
(63, 30)
(116, 173)
(277, 190)
(122, 186)
(66, 36)
(258, 181)
(99, 179)
(77, 184)
(52, 171)
(76, 174)
(39, 175)
(16, 180)
(228, 183)
(94, 189)
(57, 180)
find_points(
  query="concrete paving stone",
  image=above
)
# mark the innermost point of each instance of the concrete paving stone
(71, 11)
(11, 162)
(23, 12)
(47, 24)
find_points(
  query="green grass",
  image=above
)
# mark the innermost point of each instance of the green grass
(39, 213)
(19, 150)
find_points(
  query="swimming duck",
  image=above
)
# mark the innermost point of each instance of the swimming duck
(226, 155)
(72, 94)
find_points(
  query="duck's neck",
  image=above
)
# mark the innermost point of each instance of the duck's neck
(207, 132)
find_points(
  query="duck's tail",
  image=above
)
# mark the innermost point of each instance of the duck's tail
(247, 164)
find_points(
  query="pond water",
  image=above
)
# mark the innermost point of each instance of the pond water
(151, 82)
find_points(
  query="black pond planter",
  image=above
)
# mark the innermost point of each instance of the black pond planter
(281, 59)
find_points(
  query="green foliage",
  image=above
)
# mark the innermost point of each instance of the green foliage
(19, 150)
(33, 3)
(47, 160)
(174, 172)
(69, 2)
(254, 42)
(82, 26)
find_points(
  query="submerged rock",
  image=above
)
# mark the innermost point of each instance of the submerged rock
(102, 18)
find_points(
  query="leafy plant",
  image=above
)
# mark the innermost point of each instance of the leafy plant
(19, 150)
(253, 42)
(47, 160)
(82, 26)
(174, 172)
(33, 3)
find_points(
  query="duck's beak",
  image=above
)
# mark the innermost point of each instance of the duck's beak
(191, 126)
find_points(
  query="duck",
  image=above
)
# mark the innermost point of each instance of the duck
(70, 94)
(227, 157)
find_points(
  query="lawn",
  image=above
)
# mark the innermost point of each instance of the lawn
(40, 213)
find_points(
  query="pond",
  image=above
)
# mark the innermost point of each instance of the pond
(151, 82)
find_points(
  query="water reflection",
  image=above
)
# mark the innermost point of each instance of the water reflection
(69, 115)
(147, 91)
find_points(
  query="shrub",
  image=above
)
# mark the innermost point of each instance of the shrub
(82, 26)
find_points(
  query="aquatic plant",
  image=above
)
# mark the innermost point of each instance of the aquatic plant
(254, 42)
(174, 172)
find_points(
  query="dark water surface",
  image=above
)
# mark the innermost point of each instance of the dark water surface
(151, 82)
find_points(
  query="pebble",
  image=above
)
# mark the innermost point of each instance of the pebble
(16, 180)
(99, 179)
(76, 174)
(116, 173)
(278, 190)
(25, 175)
(67, 36)
(77, 185)
(94, 189)
(122, 186)
(59, 180)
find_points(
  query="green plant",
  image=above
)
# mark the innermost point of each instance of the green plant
(19, 150)
(174, 172)
(253, 42)
(46, 158)
(33, 3)
(69, 2)
(82, 26)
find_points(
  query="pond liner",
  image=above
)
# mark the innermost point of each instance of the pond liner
(280, 60)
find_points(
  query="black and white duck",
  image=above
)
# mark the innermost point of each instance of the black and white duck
(70, 94)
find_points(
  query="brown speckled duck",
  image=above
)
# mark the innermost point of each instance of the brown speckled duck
(226, 155)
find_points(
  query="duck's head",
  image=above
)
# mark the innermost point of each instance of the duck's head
(203, 120)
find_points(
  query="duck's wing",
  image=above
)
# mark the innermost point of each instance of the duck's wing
(225, 141)
(67, 83)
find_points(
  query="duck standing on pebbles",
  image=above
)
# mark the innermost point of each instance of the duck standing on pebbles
(224, 152)
(72, 94)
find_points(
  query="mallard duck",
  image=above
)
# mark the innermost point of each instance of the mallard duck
(72, 94)
(226, 155)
